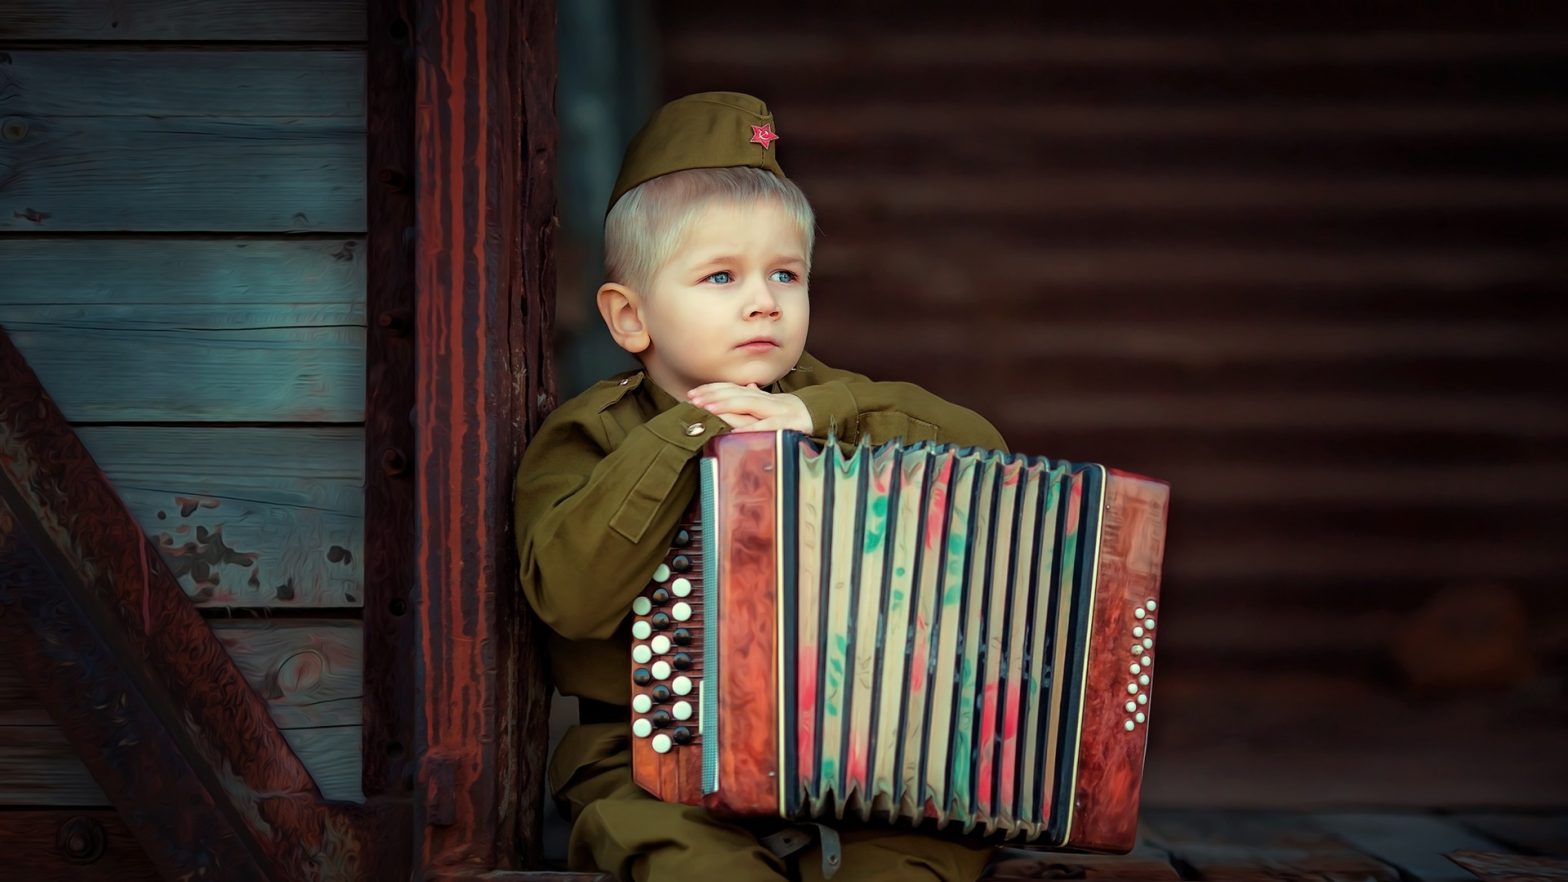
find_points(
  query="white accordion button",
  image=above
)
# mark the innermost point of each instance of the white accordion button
(1147, 661)
(1143, 699)
(1143, 680)
(682, 611)
(682, 710)
(661, 670)
(1148, 623)
(642, 728)
(661, 644)
(662, 573)
(1140, 718)
(1131, 705)
(1148, 643)
(680, 587)
(1150, 605)
(681, 685)
(641, 654)
(642, 704)
(1131, 725)
(661, 743)
(1132, 688)
(641, 630)
(1137, 632)
(642, 606)
(1139, 613)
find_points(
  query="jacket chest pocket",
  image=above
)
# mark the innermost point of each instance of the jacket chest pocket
(884, 426)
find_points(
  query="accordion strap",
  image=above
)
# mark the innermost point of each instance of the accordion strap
(792, 839)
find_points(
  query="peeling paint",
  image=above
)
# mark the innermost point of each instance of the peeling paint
(339, 554)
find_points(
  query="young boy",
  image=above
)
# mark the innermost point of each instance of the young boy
(707, 256)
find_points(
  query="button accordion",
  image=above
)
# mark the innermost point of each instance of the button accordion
(951, 639)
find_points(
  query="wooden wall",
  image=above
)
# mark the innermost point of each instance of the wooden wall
(1306, 262)
(182, 262)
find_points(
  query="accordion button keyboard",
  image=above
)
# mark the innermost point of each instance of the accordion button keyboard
(661, 670)
(661, 645)
(642, 703)
(661, 743)
(681, 685)
(662, 573)
(642, 728)
(681, 586)
(682, 612)
(641, 654)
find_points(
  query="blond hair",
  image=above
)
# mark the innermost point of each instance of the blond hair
(646, 225)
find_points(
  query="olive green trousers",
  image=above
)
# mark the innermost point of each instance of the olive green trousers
(618, 828)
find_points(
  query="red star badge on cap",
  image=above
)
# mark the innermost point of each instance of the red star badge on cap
(763, 135)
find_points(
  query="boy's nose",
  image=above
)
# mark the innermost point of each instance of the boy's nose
(763, 304)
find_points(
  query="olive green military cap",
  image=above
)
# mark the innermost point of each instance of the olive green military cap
(705, 130)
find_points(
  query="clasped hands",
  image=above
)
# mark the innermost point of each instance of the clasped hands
(749, 409)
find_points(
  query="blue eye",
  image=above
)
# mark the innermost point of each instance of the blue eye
(788, 276)
(716, 277)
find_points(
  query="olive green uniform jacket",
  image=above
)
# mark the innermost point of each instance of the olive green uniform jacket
(604, 481)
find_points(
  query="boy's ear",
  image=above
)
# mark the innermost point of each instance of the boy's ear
(621, 308)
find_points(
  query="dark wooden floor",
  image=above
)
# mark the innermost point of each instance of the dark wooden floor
(1495, 846)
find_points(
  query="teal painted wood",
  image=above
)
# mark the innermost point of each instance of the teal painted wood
(249, 20)
(181, 83)
(273, 174)
(246, 516)
(50, 270)
(195, 363)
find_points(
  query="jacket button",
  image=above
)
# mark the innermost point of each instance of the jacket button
(694, 429)
(625, 381)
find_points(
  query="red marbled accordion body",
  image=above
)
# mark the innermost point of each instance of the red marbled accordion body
(951, 639)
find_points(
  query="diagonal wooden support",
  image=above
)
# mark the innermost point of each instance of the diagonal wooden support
(149, 699)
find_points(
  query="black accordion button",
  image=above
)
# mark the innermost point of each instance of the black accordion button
(681, 564)
(682, 735)
(682, 637)
(682, 661)
(642, 676)
(661, 693)
(682, 538)
(660, 621)
(660, 595)
(661, 718)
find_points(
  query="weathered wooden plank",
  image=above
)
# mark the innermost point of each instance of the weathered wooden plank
(334, 759)
(185, 20)
(310, 672)
(229, 364)
(245, 516)
(72, 845)
(1416, 844)
(144, 271)
(1259, 845)
(38, 766)
(1543, 833)
(184, 83)
(1145, 863)
(280, 174)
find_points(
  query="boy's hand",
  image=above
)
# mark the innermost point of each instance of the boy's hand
(749, 409)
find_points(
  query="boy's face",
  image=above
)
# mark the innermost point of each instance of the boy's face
(730, 305)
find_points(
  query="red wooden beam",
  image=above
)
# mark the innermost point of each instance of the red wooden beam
(483, 183)
(134, 676)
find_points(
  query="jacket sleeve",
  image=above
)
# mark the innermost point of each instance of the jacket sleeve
(592, 524)
(850, 405)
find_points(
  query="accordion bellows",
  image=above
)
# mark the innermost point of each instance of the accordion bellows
(946, 638)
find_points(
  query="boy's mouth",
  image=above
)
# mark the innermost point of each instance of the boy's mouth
(759, 344)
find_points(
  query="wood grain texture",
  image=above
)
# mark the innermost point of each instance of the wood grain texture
(124, 82)
(110, 174)
(480, 253)
(90, 611)
(246, 516)
(72, 845)
(293, 21)
(748, 741)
